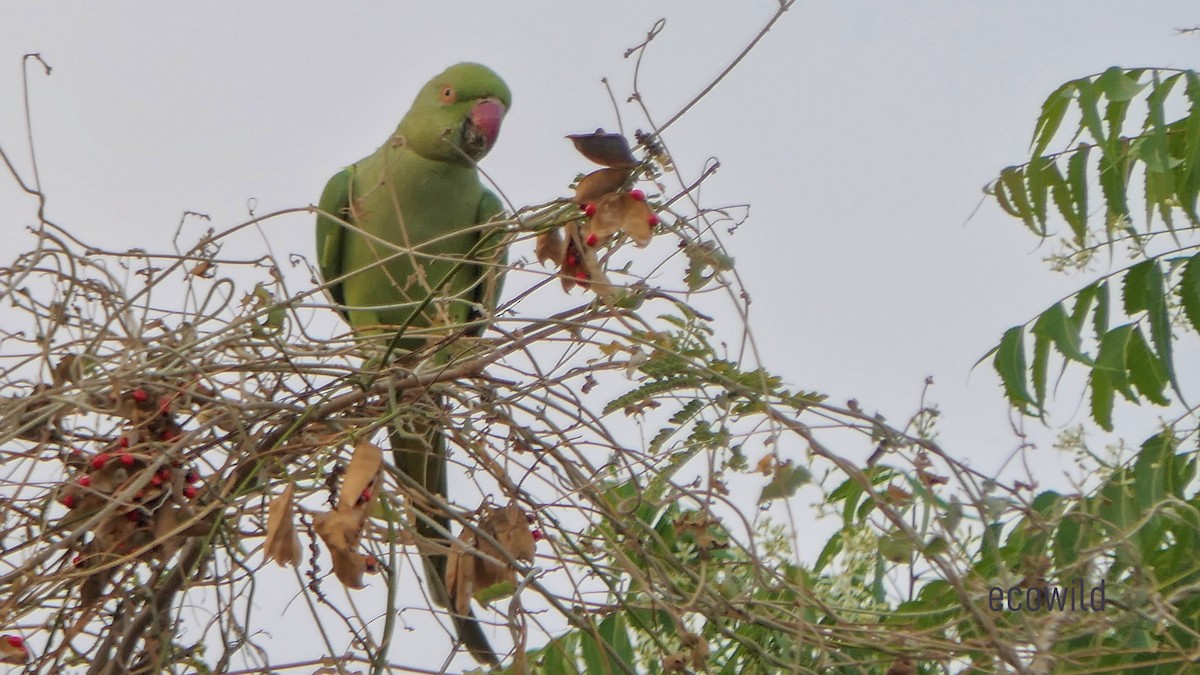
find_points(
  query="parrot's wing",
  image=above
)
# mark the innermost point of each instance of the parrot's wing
(493, 253)
(335, 200)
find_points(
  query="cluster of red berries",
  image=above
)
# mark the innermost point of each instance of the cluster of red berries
(593, 239)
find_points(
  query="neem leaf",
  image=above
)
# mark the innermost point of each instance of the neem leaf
(1053, 111)
(1010, 364)
(1146, 371)
(788, 478)
(605, 149)
(1189, 291)
(1057, 326)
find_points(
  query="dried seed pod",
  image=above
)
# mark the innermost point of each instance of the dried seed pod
(605, 149)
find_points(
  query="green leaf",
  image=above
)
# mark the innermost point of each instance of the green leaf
(1063, 330)
(1039, 180)
(1067, 540)
(936, 545)
(1010, 364)
(1160, 320)
(1111, 374)
(1041, 363)
(1113, 185)
(614, 631)
(831, 549)
(1053, 110)
(1083, 304)
(1133, 293)
(1064, 202)
(1120, 85)
(1089, 109)
(1013, 180)
(1119, 88)
(1189, 291)
(787, 479)
(1145, 291)
(649, 391)
(1102, 399)
(1078, 181)
(595, 659)
(896, 547)
(1151, 469)
(497, 591)
(1100, 317)
(1146, 371)
(1189, 188)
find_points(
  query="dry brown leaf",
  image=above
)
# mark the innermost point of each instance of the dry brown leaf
(341, 532)
(468, 572)
(283, 542)
(349, 567)
(341, 529)
(361, 476)
(902, 666)
(550, 246)
(675, 663)
(622, 212)
(599, 183)
(766, 465)
(581, 266)
(897, 495)
(605, 149)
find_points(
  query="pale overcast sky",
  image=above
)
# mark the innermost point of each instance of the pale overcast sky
(861, 134)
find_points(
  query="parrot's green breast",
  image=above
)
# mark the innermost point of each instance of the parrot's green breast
(428, 210)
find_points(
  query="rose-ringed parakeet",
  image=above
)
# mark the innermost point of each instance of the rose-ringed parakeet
(416, 260)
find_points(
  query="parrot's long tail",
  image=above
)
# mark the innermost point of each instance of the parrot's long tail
(421, 455)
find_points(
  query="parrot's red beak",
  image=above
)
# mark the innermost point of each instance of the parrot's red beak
(486, 116)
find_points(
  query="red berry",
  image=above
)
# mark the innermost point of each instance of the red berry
(67, 501)
(156, 480)
(589, 209)
(592, 239)
(100, 460)
(365, 496)
(638, 195)
(127, 459)
(123, 441)
(192, 477)
(14, 641)
(139, 395)
(189, 492)
(372, 564)
(133, 515)
(581, 275)
(75, 561)
(537, 535)
(572, 260)
(653, 220)
(85, 481)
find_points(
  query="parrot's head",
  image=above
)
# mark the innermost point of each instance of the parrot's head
(456, 117)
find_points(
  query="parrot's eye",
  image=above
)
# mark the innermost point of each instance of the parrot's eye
(448, 94)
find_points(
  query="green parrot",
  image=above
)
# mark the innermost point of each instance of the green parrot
(417, 266)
